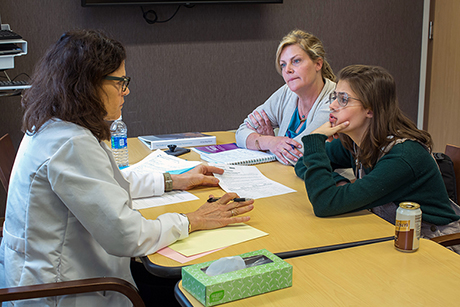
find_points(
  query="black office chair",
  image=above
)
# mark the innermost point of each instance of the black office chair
(454, 154)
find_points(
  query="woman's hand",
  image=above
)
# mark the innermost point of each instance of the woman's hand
(283, 147)
(260, 123)
(220, 213)
(199, 175)
(331, 131)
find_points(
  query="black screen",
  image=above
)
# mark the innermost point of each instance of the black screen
(144, 2)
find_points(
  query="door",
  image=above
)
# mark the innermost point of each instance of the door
(443, 75)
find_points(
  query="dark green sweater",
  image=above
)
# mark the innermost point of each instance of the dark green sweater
(406, 173)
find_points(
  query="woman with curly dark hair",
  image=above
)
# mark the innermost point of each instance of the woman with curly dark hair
(69, 214)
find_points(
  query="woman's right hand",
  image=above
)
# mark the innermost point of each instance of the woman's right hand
(260, 123)
(283, 147)
(220, 213)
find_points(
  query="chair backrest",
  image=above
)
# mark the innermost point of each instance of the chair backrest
(454, 154)
(7, 155)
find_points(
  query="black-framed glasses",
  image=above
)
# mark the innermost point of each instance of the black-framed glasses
(124, 81)
(342, 98)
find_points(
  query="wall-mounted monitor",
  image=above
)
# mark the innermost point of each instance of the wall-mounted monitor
(146, 2)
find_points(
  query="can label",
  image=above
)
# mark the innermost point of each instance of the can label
(407, 227)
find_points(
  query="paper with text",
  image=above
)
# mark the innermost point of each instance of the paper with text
(208, 240)
(249, 182)
(160, 162)
(167, 198)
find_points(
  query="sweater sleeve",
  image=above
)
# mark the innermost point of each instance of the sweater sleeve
(338, 156)
(273, 107)
(377, 188)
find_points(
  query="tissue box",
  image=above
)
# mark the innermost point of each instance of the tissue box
(231, 286)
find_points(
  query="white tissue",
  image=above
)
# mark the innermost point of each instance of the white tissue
(225, 265)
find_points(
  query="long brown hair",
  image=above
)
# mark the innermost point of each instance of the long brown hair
(376, 89)
(68, 79)
(311, 45)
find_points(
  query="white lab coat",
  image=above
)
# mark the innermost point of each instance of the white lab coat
(69, 216)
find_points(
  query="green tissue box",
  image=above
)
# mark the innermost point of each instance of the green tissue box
(231, 286)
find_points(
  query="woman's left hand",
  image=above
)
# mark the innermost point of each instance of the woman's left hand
(199, 175)
(260, 123)
(220, 213)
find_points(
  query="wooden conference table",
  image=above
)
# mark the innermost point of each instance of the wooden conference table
(288, 219)
(369, 275)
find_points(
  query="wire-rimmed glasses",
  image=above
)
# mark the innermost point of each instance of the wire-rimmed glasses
(342, 98)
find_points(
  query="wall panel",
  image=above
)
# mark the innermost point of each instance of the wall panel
(211, 65)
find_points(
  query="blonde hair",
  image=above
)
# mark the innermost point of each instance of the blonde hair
(311, 45)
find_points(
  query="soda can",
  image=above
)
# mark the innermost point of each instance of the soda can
(407, 226)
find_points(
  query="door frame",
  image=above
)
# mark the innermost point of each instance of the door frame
(425, 66)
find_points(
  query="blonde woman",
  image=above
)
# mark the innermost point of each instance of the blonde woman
(298, 107)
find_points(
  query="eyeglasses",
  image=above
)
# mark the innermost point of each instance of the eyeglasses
(124, 81)
(342, 98)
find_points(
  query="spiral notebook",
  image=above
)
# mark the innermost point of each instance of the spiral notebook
(232, 154)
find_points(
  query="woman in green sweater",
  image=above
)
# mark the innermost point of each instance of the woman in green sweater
(389, 155)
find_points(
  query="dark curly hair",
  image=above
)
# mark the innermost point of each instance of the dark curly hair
(68, 79)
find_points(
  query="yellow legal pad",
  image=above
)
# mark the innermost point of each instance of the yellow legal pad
(207, 240)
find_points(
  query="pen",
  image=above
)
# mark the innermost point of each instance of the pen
(241, 199)
(214, 199)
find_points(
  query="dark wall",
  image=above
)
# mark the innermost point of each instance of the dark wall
(211, 65)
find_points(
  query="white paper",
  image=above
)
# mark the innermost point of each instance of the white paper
(160, 162)
(249, 182)
(167, 198)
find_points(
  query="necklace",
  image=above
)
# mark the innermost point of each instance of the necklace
(359, 173)
(302, 117)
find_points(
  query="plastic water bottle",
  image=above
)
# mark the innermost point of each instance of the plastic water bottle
(119, 142)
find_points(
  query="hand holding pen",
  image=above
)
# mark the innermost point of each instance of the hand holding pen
(237, 199)
(220, 212)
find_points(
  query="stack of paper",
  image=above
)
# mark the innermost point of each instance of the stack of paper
(160, 162)
(204, 242)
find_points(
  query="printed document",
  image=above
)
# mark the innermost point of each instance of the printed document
(249, 182)
(160, 162)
